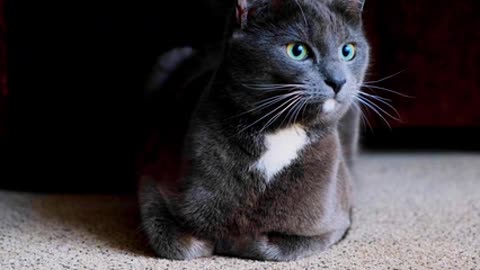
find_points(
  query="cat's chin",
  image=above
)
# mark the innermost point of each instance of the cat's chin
(329, 110)
(329, 106)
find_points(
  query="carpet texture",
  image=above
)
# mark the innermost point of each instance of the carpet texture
(413, 211)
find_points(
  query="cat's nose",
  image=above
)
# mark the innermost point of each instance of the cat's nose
(336, 83)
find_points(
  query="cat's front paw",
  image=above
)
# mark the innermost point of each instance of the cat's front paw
(184, 247)
(267, 249)
(251, 247)
(192, 248)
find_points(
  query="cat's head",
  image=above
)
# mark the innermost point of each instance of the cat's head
(304, 59)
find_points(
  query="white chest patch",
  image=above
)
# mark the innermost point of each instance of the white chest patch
(282, 149)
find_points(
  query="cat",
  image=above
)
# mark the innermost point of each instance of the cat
(254, 159)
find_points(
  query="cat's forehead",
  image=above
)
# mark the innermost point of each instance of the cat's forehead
(318, 20)
(324, 15)
(332, 12)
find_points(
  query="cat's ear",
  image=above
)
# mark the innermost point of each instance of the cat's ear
(354, 5)
(244, 10)
(361, 4)
(241, 13)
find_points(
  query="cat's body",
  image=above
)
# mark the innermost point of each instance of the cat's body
(244, 182)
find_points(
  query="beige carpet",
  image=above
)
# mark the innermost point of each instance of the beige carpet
(414, 211)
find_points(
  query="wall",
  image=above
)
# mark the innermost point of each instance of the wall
(435, 45)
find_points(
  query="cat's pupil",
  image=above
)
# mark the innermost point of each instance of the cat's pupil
(297, 50)
(346, 51)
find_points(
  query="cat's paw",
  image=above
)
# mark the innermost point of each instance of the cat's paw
(192, 248)
(183, 248)
(267, 249)
(251, 247)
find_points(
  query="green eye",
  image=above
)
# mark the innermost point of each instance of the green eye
(297, 51)
(348, 52)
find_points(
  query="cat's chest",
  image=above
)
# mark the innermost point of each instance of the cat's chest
(282, 148)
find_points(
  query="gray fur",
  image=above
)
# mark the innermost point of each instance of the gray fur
(219, 201)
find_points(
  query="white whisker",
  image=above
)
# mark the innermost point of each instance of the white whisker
(273, 87)
(267, 103)
(387, 77)
(374, 96)
(386, 89)
(305, 105)
(293, 110)
(363, 116)
(273, 119)
(266, 115)
(383, 101)
(289, 112)
(364, 102)
(277, 97)
(297, 113)
(381, 109)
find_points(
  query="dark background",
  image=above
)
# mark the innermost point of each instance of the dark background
(75, 75)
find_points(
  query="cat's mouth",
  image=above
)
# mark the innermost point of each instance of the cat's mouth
(327, 104)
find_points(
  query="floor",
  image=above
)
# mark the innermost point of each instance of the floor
(413, 211)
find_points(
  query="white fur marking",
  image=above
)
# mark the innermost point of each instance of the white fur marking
(329, 105)
(282, 148)
(197, 249)
(271, 251)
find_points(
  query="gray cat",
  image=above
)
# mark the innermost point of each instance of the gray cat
(264, 170)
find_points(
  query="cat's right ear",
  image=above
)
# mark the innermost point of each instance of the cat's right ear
(244, 10)
(242, 13)
(361, 4)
